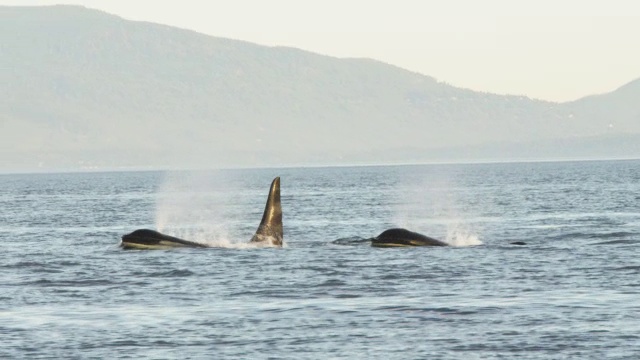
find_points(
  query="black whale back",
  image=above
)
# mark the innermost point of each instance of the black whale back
(398, 237)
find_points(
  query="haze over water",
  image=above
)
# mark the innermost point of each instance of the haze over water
(68, 291)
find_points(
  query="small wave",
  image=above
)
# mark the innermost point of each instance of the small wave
(73, 283)
(25, 264)
(173, 273)
(164, 343)
(616, 234)
(332, 282)
(435, 310)
(125, 343)
(347, 296)
(263, 294)
(584, 235)
(68, 263)
(352, 241)
(617, 242)
(630, 267)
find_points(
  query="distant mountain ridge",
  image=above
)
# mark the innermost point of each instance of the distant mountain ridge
(88, 89)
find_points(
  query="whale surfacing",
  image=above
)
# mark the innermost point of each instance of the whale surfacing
(151, 239)
(404, 238)
(269, 231)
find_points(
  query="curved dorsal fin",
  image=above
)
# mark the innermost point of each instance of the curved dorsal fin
(270, 229)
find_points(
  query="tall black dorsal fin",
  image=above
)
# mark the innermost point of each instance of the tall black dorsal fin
(270, 229)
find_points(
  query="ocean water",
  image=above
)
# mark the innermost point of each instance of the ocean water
(572, 292)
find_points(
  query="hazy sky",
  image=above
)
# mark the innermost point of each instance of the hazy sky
(548, 49)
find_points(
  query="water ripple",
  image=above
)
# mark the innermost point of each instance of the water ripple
(68, 291)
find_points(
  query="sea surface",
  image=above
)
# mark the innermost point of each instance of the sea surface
(67, 291)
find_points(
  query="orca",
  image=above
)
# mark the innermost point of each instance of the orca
(269, 231)
(404, 238)
(151, 239)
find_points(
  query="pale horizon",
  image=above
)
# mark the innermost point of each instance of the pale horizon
(549, 50)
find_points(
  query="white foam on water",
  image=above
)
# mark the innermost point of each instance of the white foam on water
(460, 237)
